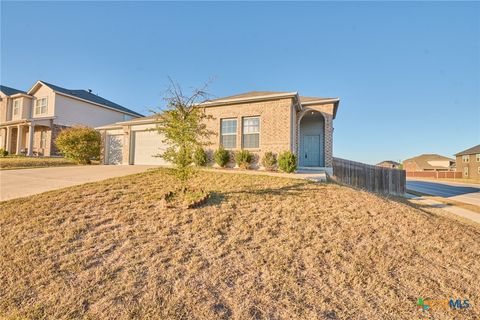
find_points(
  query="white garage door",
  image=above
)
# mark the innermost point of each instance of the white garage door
(147, 144)
(114, 149)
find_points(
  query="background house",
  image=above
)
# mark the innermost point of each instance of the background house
(468, 162)
(254, 121)
(30, 121)
(389, 164)
(429, 162)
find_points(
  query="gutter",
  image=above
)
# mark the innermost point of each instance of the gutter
(249, 99)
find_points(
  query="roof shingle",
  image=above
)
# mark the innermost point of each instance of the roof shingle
(472, 150)
(10, 91)
(85, 95)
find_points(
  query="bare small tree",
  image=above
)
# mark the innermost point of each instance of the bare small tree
(184, 129)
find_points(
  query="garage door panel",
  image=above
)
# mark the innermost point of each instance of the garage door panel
(146, 145)
(114, 149)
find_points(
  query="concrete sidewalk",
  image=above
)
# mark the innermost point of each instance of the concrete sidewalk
(464, 213)
(25, 182)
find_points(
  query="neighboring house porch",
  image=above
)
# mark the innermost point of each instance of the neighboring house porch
(31, 138)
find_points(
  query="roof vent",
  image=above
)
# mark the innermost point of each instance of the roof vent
(89, 90)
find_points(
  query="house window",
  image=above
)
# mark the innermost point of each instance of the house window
(466, 158)
(465, 171)
(478, 157)
(228, 130)
(43, 139)
(16, 107)
(251, 132)
(41, 106)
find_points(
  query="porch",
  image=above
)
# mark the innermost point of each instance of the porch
(30, 138)
(314, 141)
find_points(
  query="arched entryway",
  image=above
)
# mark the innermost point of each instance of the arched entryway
(312, 139)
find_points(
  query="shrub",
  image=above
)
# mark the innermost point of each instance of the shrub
(221, 157)
(287, 162)
(81, 144)
(3, 152)
(269, 161)
(200, 157)
(243, 159)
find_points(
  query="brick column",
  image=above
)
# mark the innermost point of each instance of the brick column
(126, 144)
(328, 140)
(103, 142)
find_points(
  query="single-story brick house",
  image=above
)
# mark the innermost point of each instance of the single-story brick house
(254, 121)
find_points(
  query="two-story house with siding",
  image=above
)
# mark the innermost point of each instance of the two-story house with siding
(31, 120)
(468, 163)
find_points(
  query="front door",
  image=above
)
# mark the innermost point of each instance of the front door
(311, 151)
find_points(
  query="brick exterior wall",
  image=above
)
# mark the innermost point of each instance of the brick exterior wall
(126, 145)
(410, 166)
(279, 128)
(275, 125)
(103, 141)
(472, 165)
(54, 132)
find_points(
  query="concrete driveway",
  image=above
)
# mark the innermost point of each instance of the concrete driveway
(25, 182)
(462, 192)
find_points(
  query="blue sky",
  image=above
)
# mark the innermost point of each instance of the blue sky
(407, 74)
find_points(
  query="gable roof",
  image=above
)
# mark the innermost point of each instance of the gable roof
(472, 150)
(422, 161)
(312, 99)
(10, 91)
(257, 94)
(88, 96)
(388, 162)
(252, 95)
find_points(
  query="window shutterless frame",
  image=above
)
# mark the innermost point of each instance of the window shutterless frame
(251, 132)
(41, 105)
(16, 107)
(228, 133)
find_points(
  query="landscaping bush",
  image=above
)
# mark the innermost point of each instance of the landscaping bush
(287, 162)
(3, 152)
(200, 157)
(80, 144)
(243, 159)
(222, 157)
(269, 161)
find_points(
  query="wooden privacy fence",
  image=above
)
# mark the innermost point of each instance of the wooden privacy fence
(368, 177)
(435, 174)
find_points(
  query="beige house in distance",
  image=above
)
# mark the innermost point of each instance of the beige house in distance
(468, 162)
(429, 162)
(30, 121)
(389, 164)
(255, 121)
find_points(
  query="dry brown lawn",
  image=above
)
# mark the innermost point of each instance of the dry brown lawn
(261, 248)
(32, 162)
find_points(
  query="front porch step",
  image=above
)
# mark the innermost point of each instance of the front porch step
(317, 176)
